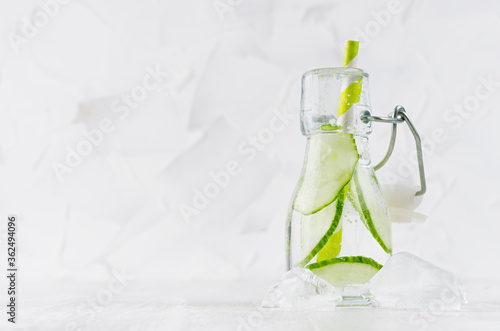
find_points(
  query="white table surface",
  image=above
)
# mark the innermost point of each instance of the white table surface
(229, 306)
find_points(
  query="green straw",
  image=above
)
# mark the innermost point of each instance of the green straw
(351, 94)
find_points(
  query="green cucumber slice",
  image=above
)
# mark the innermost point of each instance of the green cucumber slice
(329, 127)
(332, 247)
(367, 199)
(346, 271)
(330, 162)
(317, 229)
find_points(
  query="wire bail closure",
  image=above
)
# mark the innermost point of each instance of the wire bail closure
(399, 116)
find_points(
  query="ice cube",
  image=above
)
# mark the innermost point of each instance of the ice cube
(408, 282)
(299, 288)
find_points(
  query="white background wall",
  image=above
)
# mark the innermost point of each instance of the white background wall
(226, 72)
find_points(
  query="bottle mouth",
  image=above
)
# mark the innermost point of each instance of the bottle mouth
(333, 99)
(335, 71)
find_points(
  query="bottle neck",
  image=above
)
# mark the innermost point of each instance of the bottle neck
(335, 97)
(362, 146)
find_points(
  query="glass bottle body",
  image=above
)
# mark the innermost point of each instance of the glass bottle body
(338, 225)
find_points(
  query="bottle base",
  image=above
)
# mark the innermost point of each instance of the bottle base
(351, 297)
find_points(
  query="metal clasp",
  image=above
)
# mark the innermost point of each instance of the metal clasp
(399, 116)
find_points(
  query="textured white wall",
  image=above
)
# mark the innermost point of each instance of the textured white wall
(162, 96)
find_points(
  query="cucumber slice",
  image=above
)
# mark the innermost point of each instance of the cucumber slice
(368, 200)
(332, 247)
(317, 229)
(346, 271)
(330, 162)
(329, 127)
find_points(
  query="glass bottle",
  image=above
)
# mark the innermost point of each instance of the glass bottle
(338, 225)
